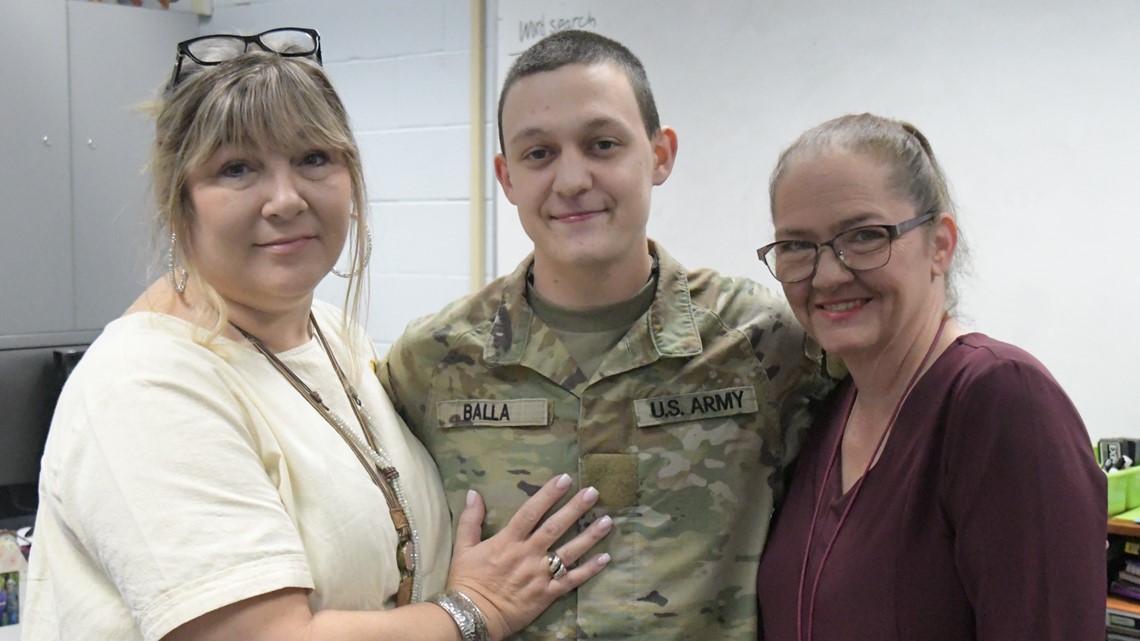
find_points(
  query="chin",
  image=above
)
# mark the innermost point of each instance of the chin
(584, 256)
(842, 343)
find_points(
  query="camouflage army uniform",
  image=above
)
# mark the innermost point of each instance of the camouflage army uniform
(680, 430)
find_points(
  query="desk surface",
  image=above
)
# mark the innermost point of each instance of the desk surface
(1120, 526)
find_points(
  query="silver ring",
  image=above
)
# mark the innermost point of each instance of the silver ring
(556, 566)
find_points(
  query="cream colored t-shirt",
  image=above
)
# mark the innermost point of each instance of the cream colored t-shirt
(177, 480)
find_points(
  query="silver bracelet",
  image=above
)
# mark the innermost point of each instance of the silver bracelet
(468, 617)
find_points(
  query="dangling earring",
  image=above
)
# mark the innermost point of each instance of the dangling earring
(367, 254)
(177, 281)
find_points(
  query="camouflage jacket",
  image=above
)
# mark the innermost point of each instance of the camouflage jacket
(685, 429)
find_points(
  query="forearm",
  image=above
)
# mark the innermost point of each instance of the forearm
(284, 615)
(417, 622)
(507, 580)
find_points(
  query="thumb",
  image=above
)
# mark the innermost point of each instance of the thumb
(470, 529)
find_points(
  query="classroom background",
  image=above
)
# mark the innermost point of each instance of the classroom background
(1027, 103)
(1030, 105)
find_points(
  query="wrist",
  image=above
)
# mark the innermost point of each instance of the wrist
(467, 616)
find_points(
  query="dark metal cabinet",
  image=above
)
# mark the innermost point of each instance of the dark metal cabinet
(30, 380)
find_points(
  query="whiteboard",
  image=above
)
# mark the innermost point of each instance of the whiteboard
(1032, 106)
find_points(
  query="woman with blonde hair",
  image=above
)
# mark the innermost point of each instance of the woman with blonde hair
(222, 463)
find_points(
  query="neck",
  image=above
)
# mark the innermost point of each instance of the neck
(882, 377)
(585, 286)
(279, 330)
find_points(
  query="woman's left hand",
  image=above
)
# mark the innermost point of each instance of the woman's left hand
(509, 575)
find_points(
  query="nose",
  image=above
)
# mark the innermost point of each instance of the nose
(572, 175)
(829, 269)
(283, 197)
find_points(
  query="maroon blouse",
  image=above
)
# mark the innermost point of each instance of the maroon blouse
(984, 518)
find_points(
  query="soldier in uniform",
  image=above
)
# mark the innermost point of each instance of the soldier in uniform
(677, 394)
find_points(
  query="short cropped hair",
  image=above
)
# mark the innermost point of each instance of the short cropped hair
(587, 48)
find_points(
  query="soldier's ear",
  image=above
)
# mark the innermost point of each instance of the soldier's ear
(503, 175)
(664, 154)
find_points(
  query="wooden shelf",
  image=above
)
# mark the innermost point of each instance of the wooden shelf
(1124, 605)
(1123, 527)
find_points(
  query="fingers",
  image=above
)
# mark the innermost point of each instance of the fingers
(530, 514)
(578, 546)
(509, 574)
(565, 518)
(469, 530)
(574, 549)
(581, 574)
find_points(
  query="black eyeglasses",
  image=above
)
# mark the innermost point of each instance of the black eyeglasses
(860, 249)
(290, 42)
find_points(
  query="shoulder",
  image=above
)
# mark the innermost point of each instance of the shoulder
(987, 365)
(143, 344)
(458, 320)
(739, 303)
(736, 298)
(457, 334)
(148, 360)
(144, 374)
(1012, 435)
(1002, 396)
(741, 309)
(746, 306)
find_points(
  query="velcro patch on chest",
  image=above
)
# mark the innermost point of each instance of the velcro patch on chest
(519, 412)
(614, 476)
(696, 406)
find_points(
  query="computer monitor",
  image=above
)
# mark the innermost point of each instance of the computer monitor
(30, 382)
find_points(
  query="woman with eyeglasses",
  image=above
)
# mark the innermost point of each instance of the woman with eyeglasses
(223, 463)
(947, 491)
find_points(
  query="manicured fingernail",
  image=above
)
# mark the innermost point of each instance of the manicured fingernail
(603, 559)
(590, 494)
(471, 494)
(605, 523)
(563, 482)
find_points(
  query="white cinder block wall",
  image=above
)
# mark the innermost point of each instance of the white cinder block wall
(403, 70)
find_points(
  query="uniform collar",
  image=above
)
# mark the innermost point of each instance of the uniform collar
(669, 324)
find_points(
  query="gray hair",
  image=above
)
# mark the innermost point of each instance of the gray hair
(914, 172)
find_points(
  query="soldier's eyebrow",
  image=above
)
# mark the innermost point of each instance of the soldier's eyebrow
(528, 132)
(590, 126)
(603, 122)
